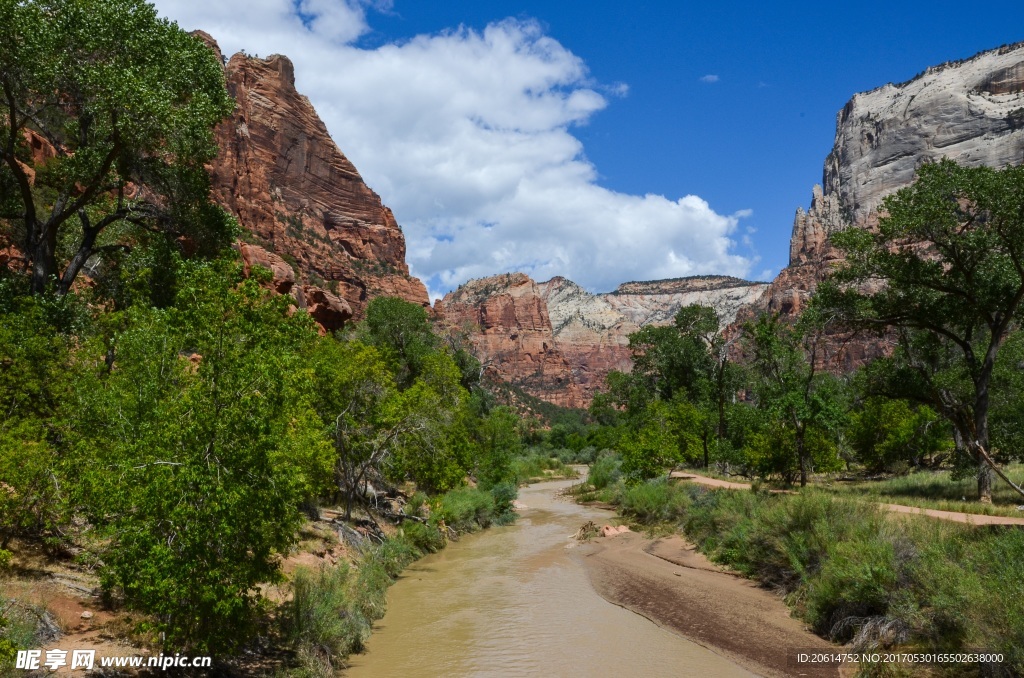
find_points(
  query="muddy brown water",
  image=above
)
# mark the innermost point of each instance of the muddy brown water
(511, 601)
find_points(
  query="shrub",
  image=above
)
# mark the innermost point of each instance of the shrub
(316, 619)
(465, 509)
(856, 582)
(426, 538)
(503, 495)
(606, 471)
(654, 502)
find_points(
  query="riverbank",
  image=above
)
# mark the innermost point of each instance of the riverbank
(669, 582)
(871, 579)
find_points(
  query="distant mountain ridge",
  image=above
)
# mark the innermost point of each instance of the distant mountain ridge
(556, 341)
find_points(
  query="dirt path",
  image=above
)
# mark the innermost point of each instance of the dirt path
(676, 587)
(952, 516)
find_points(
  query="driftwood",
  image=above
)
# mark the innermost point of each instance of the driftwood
(398, 518)
(587, 532)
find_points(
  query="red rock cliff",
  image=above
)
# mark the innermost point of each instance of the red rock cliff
(510, 328)
(558, 342)
(304, 204)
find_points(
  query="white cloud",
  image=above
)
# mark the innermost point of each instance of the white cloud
(709, 78)
(467, 136)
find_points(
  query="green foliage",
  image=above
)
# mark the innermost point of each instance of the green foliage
(401, 330)
(465, 509)
(605, 471)
(18, 630)
(855, 574)
(35, 361)
(665, 434)
(124, 97)
(885, 433)
(331, 611)
(654, 502)
(802, 403)
(537, 465)
(772, 452)
(424, 537)
(187, 467)
(318, 616)
(950, 252)
(503, 495)
(499, 444)
(1006, 431)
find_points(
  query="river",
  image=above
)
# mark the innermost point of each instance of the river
(511, 601)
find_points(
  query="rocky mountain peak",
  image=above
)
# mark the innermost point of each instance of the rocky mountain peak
(303, 204)
(971, 111)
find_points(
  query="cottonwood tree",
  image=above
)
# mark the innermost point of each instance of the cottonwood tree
(945, 273)
(106, 118)
(802, 401)
(191, 456)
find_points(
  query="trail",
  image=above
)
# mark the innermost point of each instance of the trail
(952, 516)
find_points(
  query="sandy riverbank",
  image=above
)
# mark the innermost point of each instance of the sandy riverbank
(676, 587)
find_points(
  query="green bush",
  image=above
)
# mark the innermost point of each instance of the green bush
(317, 616)
(605, 471)
(504, 494)
(534, 466)
(465, 509)
(654, 502)
(394, 555)
(426, 538)
(856, 574)
(857, 581)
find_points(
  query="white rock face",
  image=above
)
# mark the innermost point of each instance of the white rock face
(970, 111)
(613, 316)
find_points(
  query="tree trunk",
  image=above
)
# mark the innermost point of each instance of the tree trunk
(802, 457)
(985, 474)
(984, 481)
(44, 260)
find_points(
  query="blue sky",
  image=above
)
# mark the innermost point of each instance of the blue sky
(603, 141)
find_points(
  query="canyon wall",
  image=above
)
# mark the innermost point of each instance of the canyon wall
(556, 341)
(307, 213)
(971, 111)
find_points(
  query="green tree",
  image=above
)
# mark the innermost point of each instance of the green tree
(884, 432)
(402, 331)
(182, 456)
(1005, 430)
(499, 444)
(700, 327)
(789, 385)
(125, 103)
(945, 274)
(35, 362)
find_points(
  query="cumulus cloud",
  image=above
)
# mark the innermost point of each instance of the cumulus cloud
(709, 78)
(467, 136)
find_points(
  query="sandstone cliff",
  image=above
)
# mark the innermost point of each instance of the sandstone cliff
(971, 111)
(557, 341)
(508, 323)
(305, 205)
